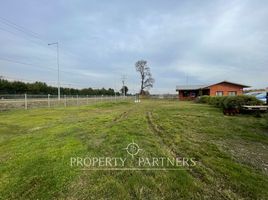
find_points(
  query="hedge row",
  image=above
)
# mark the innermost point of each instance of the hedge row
(230, 102)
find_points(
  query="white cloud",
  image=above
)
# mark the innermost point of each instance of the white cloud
(100, 41)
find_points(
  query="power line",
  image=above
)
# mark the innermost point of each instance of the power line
(14, 33)
(23, 63)
(25, 38)
(32, 34)
(26, 32)
(21, 28)
(43, 67)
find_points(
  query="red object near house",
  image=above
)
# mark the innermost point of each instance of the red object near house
(224, 88)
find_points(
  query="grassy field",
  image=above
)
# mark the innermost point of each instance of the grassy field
(36, 147)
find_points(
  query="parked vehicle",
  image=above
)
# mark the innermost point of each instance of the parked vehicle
(262, 97)
(253, 93)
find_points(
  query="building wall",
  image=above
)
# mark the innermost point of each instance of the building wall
(221, 87)
(225, 88)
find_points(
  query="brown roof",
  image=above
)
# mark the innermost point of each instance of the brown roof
(244, 86)
(190, 87)
(197, 87)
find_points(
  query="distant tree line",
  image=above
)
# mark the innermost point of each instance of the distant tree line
(18, 87)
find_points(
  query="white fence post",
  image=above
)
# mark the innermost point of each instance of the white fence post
(87, 99)
(25, 102)
(48, 100)
(77, 99)
(65, 101)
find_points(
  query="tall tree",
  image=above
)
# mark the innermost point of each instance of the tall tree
(147, 80)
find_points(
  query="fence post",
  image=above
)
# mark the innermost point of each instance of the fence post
(87, 99)
(65, 101)
(48, 100)
(25, 102)
(77, 99)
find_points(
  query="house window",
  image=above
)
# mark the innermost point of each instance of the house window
(219, 93)
(232, 93)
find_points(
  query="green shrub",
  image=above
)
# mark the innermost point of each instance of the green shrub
(230, 102)
(203, 99)
(216, 101)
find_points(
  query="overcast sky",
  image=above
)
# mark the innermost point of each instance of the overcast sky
(194, 42)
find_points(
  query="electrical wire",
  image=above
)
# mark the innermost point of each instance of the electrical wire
(34, 35)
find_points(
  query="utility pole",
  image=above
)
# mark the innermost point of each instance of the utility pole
(124, 77)
(56, 43)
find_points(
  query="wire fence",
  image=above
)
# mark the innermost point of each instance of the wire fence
(25, 101)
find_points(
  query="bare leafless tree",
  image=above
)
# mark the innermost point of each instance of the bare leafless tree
(147, 80)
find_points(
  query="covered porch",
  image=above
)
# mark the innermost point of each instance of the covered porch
(191, 92)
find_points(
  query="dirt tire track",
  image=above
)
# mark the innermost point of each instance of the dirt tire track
(157, 129)
(123, 116)
(159, 132)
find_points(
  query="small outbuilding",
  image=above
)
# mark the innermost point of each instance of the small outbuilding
(224, 88)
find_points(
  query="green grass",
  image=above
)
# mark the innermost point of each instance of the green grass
(36, 147)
